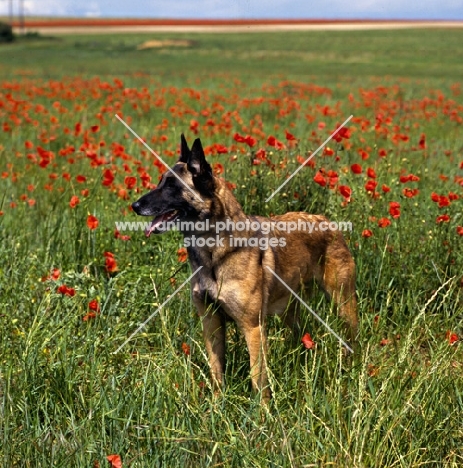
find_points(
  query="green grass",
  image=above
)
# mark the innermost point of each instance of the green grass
(430, 53)
(66, 400)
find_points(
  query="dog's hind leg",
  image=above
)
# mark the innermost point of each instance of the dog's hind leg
(339, 284)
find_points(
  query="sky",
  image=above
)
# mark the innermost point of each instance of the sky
(243, 9)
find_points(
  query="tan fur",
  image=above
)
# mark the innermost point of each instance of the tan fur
(235, 283)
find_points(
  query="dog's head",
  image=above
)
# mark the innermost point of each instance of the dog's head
(184, 193)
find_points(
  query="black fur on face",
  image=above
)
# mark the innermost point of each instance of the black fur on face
(175, 199)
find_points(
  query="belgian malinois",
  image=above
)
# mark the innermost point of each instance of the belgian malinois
(237, 280)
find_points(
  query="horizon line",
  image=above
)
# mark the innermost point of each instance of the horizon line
(34, 20)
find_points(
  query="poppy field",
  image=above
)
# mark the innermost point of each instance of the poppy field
(73, 288)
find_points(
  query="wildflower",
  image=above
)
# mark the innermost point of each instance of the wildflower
(92, 222)
(130, 182)
(182, 254)
(66, 291)
(445, 218)
(110, 262)
(356, 168)
(451, 337)
(394, 209)
(186, 349)
(319, 179)
(384, 222)
(307, 341)
(345, 191)
(74, 201)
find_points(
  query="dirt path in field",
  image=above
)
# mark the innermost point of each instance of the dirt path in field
(105, 27)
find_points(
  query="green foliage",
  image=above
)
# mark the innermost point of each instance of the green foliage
(6, 33)
(67, 399)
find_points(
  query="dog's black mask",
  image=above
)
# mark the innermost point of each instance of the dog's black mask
(183, 191)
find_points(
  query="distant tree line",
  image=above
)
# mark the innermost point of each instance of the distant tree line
(6, 32)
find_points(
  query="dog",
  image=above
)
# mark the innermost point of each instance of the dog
(242, 281)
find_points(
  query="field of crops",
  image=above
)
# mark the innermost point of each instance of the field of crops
(73, 288)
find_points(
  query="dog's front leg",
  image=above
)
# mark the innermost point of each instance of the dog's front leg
(214, 338)
(256, 340)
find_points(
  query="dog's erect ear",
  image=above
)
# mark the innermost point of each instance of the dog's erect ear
(197, 163)
(185, 152)
(200, 168)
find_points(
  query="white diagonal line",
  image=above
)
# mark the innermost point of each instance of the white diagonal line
(311, 311)
(308, 159)
(156, 311)
(158, 157)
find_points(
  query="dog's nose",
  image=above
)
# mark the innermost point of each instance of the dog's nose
(136, 206)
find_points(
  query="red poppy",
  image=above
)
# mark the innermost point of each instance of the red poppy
(88, 316)
(371, 185)
(385, 188)
(272, 141)
(74, 201)
(115, 461)
(186, 349)
(239, 138)
(394, 209)
(66, 291)
(345, 191)
(460, 230)
(118, 235)
(451, 337)
(364, 154)
(343, 132)
(434, 197)
(356, 168)
(110, 262)
(54, 275)
(130, 182)
(108, 177)
(94, 305)
(250, 141)
(410, 193)
(319, 179)
(371, 173)
(92, 222)
(289, 136)
(384, 342)
(422, 142)
(307, 341)
(366, 233)
(218, 168)
(409, 178)
(182, 254)
(81, 179)
(445, 218)
(443, 201)
(384, 222)
(194, 124)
